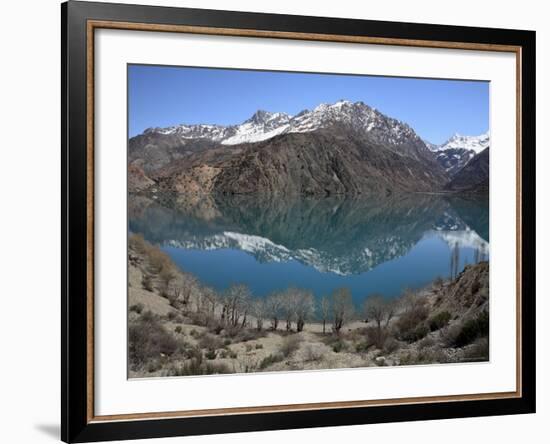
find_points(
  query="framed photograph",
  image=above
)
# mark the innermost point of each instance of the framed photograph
(276, 221)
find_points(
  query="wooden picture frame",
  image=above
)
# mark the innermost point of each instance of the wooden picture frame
(79, 22)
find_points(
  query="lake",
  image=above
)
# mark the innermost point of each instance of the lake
(379, 244)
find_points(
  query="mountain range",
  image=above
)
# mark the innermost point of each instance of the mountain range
(345, 148)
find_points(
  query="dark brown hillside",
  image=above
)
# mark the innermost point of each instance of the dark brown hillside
(474, 177)
(153, 151)
(326, 162)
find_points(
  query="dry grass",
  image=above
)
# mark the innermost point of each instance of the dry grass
(193, 339)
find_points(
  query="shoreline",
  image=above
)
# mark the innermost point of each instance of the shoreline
(194, 332)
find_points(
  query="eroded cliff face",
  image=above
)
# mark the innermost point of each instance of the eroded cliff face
(468, 294)
(326, 162)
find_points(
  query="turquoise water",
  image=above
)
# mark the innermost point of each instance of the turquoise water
(377, 245)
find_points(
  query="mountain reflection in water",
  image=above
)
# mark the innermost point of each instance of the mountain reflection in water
(380, 244)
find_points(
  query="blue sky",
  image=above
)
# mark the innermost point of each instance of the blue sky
(164, 96)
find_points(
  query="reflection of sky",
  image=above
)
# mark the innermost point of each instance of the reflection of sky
(428, 259)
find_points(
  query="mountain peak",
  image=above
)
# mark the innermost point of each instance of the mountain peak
(340, 104)
(461, 141)
(261, 117)
(263, 125)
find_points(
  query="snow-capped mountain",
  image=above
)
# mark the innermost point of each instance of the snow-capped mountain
(365, 257)
(454, 159)
(264, 125)
(456, 152)
(471, 143)
(264, 250)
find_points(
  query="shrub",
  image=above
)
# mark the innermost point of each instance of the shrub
(408, 359)
(448, 334)
(410, 325)
(138, 243)
(147, 282)
(438, 282)
(431, 356)
(246, 364)
(148, 316)
(158, 260)
(390, 345)
(148, 339)
(166, 276)
(479, 350)
(223, 354)
(137, 308)
(259, 346)
(215, 328)
(198, 318)
(473, 329)
(331, 339)
(425, 356)
(439, 320)
(193, 352)
(210, 342)
(338, 346)
(174, 317)
(244, 335)
(248, 347)
(361, 347)
(290, 345)
(418, 333)
(226, 342)
(232, 354)
(197, 367)
(188, 368)
(335, 341)
(231, 331)
(210, 354)
(426, 343)
(313, 353)
(271, 359)
(178, 329)
(153, 366)
(376, 337)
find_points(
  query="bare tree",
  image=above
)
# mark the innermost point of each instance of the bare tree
(188, 284)
(455, 259)
(175, 296)
(324, 306)
(259, 311)
(245, 304)
(484, 253)
(342, 308)
(411, 301)
(288, 302)
(480, 254)
(236, 304)
(304, 306)
(273, 309)
(210, 298)
(380, 310)
(158, 260)
(166, 276)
